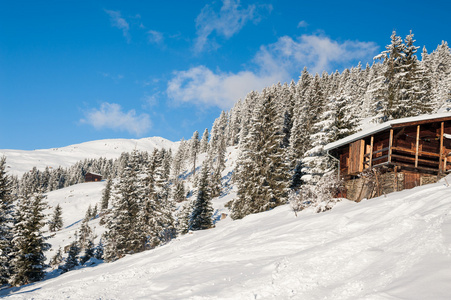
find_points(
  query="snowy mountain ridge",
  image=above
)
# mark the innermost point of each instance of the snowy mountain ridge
(21, 161)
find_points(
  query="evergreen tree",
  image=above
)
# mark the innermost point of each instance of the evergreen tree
(216, 154)
(6, 220)
(194, 150)
(201, 215)
(98, 252)
(85, 235)
(56, 223)
(183, 218)
(57, 259)
(179, 193)
(106, 195)
(125, 234)
(178, 163)
(29, 244)
(262, 174)
(204, 141)
(73, 257)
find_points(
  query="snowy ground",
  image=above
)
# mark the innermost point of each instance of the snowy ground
(21, 161)
(394, 247)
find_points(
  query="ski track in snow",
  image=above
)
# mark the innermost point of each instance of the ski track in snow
(392, 247)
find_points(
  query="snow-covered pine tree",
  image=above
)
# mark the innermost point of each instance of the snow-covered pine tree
(56, 223)
(106, 195)
(183, 217)
(178, 163)
(178, 192)
(125, 234)
(262, 174)
(57, 259)
(216, 153)
(29, 244)
(299, 135)
(415, 90)
(73, 256)
(201, 215)
(388, 95)
(440, 63)
(156, 209)
(85, 235)
(194, 148)
(6, 222)
(315, 160)
(234, 127)
(204, 141)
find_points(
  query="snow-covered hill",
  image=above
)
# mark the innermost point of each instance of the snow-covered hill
(393, 247)
(20, 161)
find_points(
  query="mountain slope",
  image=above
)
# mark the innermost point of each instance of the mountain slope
(394, 247)
(20, 161)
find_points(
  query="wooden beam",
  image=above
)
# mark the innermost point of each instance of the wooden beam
(417, 146)
(433, 170)
(420, 153)
(371, 151)
(442, 131)
(378, 151)
(390, 145)
(425, 161)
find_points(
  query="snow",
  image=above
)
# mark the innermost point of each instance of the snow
(21, 161)
(375, 128)
(393, 247)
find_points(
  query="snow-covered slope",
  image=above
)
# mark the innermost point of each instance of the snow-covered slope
(20, 161)
(394, 247)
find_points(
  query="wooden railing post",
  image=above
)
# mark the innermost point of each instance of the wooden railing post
(371, 152)
(442, 131)
(417, 146)
(390, 145)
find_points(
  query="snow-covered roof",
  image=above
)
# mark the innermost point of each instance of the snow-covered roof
(95, 174)
(381, 127)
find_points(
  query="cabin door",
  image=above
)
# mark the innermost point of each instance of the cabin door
(356, 153)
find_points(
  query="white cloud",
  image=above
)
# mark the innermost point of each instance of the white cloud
(302, 24)
(199, 85)
(119, 22)
(228, 21)
(111, 116)
(318, 53)
(280, 61)
(155, 37)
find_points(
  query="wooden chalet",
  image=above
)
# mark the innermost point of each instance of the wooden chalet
(396, 155)
(92, 177)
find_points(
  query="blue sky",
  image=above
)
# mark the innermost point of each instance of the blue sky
(76, 71)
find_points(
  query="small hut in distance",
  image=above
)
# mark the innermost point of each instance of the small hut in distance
(396, 155)
(92, 177)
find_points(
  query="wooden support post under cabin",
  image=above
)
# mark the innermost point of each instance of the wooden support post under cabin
(417, 146)
(395, 178)
(442, 131)
(390, 144)
(377, 183)
(371, 152)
